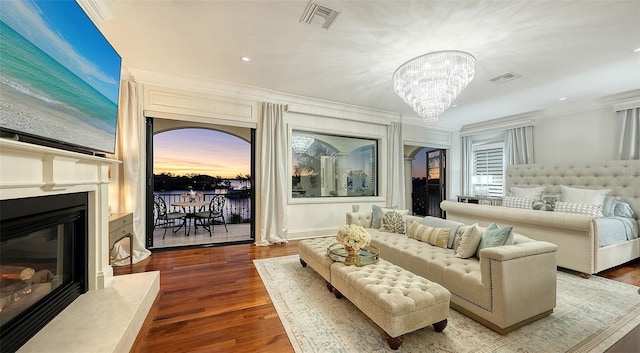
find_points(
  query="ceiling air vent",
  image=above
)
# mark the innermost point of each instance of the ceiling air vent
(318, 15)
(505, 78)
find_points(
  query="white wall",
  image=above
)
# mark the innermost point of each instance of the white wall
(577, 137)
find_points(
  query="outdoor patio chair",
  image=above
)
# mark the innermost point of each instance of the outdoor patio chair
(206, 219)
(164, 218)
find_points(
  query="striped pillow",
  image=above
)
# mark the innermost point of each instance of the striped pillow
(435, 236)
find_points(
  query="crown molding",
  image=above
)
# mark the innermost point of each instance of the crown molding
(99, 11)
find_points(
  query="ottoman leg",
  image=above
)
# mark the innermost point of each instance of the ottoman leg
(440, 325)
(303, 263)
(337, 293)
(395, 342)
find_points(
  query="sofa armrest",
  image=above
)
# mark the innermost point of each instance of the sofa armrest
(522, 278)
(521, 250)
(360, 218)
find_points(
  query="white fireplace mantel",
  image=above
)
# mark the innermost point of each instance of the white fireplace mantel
(28, 170)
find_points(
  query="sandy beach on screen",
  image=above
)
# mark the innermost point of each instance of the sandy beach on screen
(20, 111)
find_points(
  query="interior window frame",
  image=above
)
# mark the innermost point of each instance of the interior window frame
(373, 182)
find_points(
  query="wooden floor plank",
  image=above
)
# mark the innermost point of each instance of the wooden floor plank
(213, 300)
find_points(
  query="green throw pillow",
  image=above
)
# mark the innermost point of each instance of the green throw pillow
(494, 236)
(376, 219)
(542, 205)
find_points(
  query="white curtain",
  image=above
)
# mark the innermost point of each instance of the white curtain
(630, 137)
(395, 185)
(519, 146)
(467, 164)
(129, 149)
(273, 174)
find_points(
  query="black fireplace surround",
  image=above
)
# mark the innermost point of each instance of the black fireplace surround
(43, 262)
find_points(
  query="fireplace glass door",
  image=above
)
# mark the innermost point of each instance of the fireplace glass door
(42, 265)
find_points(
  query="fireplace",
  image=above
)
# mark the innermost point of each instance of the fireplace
(43, 262)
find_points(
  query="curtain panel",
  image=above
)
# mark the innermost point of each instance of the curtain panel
(630, 134)
(131, 137)
(273, 176)
(466, 169)
(519, 146)
(395, 186)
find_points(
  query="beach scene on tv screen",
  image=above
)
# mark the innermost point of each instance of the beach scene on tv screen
(59, 77)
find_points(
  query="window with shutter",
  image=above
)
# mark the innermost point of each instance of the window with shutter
(488, 159)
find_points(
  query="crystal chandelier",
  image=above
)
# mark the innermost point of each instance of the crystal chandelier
(301, 143)
(430, 83)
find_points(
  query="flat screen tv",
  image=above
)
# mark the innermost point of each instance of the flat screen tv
(59, 77)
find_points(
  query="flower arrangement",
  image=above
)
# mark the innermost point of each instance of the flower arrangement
(353, 236)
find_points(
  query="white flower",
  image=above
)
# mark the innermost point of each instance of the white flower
(354, 236)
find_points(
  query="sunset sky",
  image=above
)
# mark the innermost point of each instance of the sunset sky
(200, 151)
(419, 165)
(214, 153)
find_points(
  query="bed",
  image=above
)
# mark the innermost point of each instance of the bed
(586, 243)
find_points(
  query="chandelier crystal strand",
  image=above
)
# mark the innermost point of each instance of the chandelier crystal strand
(301, 143)
(430, 83)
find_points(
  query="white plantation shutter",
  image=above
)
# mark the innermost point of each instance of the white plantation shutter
(489, 160)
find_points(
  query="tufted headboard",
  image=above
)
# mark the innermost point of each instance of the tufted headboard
(622, 177)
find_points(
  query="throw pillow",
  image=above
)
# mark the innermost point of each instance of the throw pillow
(494, 236)
(585, 196)
(376, 219)
(393, 221)
(469, 242)
(517, 202)
(443, 223)
(434, 236)
(551, 199)
(609, 205)
(580, 208)
(542, 205)
(527, 193)
(458, 237)
(623, 209)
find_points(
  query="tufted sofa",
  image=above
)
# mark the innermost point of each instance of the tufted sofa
(576, 235)
(507, 287)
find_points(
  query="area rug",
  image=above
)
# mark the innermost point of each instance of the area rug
(591, 315)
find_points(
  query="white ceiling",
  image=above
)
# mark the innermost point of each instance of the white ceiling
(574, 49)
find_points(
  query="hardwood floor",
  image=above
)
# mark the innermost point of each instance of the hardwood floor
(212, 300)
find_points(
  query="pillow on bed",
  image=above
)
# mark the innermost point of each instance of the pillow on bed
(542, 205)
(579, 208)
(586, 196)
(528, 193)
(623, 209)
(517, 202)
(609, 205)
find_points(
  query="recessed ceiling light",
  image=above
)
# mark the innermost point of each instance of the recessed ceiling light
(637, 50)
(245, 59)
(562, 99)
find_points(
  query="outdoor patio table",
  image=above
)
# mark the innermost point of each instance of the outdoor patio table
(190, 207)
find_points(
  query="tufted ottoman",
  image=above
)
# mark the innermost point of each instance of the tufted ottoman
(395, 299)
(314, 253)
